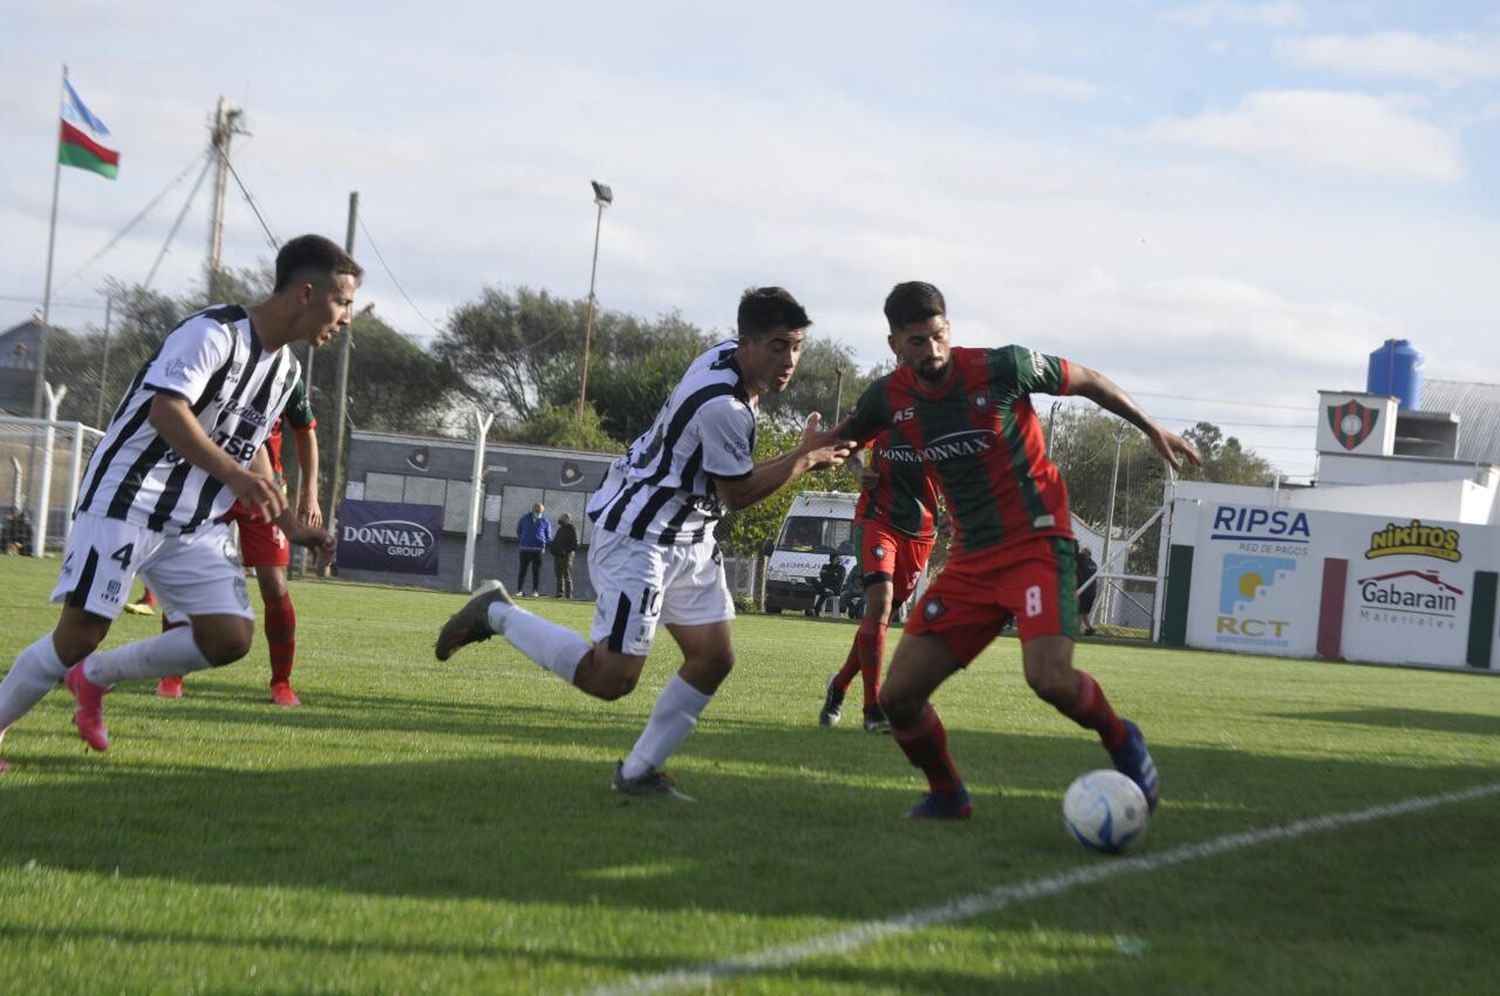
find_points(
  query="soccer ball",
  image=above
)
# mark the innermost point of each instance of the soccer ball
(1105, 811)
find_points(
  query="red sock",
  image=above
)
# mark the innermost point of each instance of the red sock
(849, 670)
(1092, 710)
(869, 643)
(281, 636)
(926, 746)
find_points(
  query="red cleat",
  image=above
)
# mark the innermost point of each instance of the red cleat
(89, 717)
(282, 694)
(170, 687)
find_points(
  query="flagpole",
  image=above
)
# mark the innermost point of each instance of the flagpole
(41, 349)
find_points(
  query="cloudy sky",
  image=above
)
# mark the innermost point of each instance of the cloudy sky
(1211, 202)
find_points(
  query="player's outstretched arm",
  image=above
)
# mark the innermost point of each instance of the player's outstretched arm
(173, 420)
(818, 447)
(305, 442)
(1105, 393)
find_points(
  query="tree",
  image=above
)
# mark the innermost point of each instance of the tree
(633, 366)
(1225, 461)
(564, 426)
(743, 532)
(514, 351)
(815, 387)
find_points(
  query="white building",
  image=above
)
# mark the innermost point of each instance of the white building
(1391, 555)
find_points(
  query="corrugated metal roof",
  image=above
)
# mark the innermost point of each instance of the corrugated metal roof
(1478, 409)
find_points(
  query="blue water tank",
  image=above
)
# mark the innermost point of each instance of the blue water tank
(1396, 371)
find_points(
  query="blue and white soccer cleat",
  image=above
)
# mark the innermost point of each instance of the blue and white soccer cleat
(943, 806)
(1133, 760)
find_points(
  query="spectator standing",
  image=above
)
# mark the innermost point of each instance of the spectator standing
(564, 545)
(533, 532)
(1086, 571)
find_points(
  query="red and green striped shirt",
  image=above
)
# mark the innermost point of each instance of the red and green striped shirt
(905, 497)
(980, 440)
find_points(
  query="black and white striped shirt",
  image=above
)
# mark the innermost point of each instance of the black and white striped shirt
(214, 360)
(662, 489)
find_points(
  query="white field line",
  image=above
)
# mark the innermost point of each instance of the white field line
(1004, 896)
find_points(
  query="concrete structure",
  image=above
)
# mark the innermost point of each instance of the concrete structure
(431, 470)
(1392, 555)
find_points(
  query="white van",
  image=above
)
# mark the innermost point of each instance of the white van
(818, 523)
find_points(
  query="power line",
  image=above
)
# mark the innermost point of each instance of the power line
(134, 221)
(387, 267)
(186, 206)
(275, 242)
(1236, 425)
(1220, 401)
(33, 299)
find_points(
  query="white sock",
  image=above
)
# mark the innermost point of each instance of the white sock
(554, 647)
(36, 672)
(672, 718)
(171, 653)
(497, 614)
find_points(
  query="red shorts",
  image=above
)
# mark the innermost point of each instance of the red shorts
(262, 543)
(976, 595)
(887, 554)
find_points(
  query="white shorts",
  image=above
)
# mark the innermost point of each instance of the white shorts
(643, 584)
(196, 575)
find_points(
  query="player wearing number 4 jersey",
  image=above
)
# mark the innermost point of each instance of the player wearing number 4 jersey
(264, 547)
(185, 442)
(968, 413)
(653, 559)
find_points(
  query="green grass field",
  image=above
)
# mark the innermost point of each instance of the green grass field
(425, 827)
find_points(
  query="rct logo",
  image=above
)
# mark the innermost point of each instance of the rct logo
(1246, 578)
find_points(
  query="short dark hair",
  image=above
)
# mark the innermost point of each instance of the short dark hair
(764, 310)
(316, 256)
(913, 301)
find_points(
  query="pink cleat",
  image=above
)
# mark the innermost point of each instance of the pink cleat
(3, 766)
(170, 687)
(282, 694)
(89, 717)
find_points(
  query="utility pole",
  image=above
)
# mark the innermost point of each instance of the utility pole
(346, 343)
(109, 303)
(838, 397)
(226, 125)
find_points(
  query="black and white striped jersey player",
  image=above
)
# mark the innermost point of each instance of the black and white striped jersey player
(184, 443)
(653, 560)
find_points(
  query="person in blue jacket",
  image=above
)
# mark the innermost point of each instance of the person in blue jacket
(534, 532)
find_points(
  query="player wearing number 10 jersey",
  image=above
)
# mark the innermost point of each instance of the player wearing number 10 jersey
(968, 414)
(653, 559)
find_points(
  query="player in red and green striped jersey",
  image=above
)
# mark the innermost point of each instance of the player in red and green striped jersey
(968, 414)
(893, 532)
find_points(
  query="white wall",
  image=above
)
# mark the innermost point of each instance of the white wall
(1260, 576)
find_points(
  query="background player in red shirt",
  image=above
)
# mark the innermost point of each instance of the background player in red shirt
(264, 547)
(893, 536)
(968, 413)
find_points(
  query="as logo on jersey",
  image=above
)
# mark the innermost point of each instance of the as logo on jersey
(879, 552)
(981, 401)
(933, 608)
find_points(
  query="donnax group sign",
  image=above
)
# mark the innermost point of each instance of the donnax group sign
(388, 536)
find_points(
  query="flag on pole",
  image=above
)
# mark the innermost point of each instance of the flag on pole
(82, 137)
